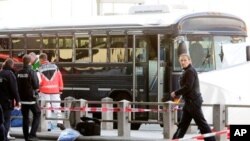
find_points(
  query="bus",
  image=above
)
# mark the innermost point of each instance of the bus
(132, 57)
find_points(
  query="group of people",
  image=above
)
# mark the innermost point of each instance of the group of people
(20, 89)
(40, 76)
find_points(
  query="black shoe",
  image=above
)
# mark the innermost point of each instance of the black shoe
(61, 126)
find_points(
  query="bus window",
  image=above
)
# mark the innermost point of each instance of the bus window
(65, 49)
(180, 46)
(82, 49)
(18, 47)
(200, 49)
(218, 43)
(117, 50)
(140, 50)
(4, 49)
(33, 43)
(49, 47)
(99, 49)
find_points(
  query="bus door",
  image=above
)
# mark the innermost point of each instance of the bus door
(156, 69)
(140, 70)
(149, 67)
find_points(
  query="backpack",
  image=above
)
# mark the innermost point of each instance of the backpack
(89, 126)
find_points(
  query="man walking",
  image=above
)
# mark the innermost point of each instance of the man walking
(190, 91)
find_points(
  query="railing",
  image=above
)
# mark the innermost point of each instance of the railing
(124, 110)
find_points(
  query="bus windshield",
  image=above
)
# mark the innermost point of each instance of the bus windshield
(204, 50)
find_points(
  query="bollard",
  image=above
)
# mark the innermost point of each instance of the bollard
(219, 120)
(67, 106)
(107, 115)
(43, 124)
(123, 119)
(168, 120)
(82, 103)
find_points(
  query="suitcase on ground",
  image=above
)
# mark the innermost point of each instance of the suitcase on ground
(89, 126)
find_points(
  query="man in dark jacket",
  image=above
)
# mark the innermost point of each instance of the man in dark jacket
(9, 96)
(28, 83)
(190, 91)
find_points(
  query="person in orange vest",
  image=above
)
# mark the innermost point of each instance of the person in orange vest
(51, 86)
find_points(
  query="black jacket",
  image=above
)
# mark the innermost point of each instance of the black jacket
(189, 85)
(8, 88)
(28, 83)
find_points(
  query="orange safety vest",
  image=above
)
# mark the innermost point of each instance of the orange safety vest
(53, 85)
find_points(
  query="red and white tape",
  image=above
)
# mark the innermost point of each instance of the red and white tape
(84, 109)
(202, 136)
(104, 109)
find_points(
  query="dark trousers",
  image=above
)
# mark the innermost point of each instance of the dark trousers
(3, 136)
(34, 108)
(192, 110)
(6, 114)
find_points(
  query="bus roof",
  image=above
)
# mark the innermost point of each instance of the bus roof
(115, 20)
(103, 22)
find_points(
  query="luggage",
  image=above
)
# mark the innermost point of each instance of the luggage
(16, 120)
(89, 126)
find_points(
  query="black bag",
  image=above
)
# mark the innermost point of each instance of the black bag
(89, 126)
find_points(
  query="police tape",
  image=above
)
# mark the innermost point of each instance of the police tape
(105, 109)
(203, 136)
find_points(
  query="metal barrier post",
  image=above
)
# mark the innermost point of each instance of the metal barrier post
(108, 115)
(168, 121)
(83, 103)
(67, 104)
(123, 119)
(219, 120)
(43, 124)
(75, 116)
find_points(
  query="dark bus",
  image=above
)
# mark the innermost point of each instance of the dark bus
(133, 57)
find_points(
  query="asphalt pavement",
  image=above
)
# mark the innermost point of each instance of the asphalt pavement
(147, 132)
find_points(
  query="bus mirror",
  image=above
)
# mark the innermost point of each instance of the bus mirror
(221, 53)
(248, 52)
(182, 48)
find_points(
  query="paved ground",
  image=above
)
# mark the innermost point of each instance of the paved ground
(145, 133)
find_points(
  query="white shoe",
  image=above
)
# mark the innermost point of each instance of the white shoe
(10, 137)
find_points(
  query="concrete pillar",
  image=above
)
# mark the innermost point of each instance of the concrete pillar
(168, 121)
(108, 115)
(83, 103)
(123, 119)
(43, 124)
(67, 105)
(219, 120)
